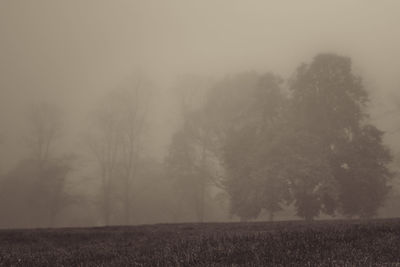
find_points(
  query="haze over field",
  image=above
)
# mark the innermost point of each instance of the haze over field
(74, 54)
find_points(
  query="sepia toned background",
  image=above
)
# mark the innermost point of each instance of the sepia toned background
(72, 54)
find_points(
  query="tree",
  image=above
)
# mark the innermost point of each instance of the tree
(115, 142)
(303, 164)
(181, 165)
(134, 107)
(365, 171)
(45, 128)
(104, 141)
(35, 190)
(245, 111)
(329, 104)
(46, 125)
(189, 161)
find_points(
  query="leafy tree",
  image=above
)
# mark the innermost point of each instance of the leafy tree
(365, 172)
(240, 183)
(304, 165)
(189, 161)
(182, 167)
(329, 104)
(315, 147)
(246, 111)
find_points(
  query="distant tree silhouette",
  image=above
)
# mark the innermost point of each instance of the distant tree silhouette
(115, 142)
(188, 162)
(329, 102)
(313, 146)
(245, 112)
(45, 123)
(34, 192)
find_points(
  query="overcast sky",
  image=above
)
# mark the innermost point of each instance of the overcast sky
(72, 51)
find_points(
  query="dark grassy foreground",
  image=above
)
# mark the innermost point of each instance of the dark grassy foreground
(338, 243)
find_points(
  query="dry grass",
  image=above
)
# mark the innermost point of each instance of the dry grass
(334, 243)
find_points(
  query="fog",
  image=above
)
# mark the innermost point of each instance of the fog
(73, 54)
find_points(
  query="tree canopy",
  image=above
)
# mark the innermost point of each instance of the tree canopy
(312, 146)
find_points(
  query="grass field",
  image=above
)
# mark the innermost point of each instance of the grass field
(324, 243)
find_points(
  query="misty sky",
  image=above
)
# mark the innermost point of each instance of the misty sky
(72, 51)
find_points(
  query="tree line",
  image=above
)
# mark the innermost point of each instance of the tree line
(250, 142)
(309, 143)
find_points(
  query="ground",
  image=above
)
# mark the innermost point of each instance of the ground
(322, 243)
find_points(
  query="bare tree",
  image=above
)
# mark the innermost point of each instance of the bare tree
(116, 142)
(104, 144)
(134, 104)
(45, 122)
